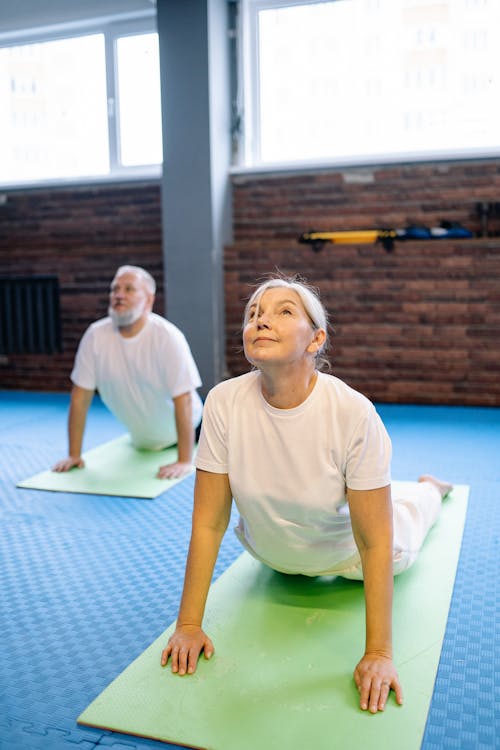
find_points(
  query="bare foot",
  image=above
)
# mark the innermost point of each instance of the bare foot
(444, 487)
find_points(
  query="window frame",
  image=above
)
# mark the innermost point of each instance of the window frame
(249, 146)
(112, 28)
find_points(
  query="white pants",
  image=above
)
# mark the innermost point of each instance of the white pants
(413, 516)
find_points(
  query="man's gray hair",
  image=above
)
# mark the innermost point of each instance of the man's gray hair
(142, 273)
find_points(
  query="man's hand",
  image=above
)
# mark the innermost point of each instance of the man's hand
(375, 676)
(69, 463)
(175, 470)
(184, 647)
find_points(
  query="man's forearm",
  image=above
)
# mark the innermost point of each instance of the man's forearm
(184, 426)
(185, 445)
(77, 418)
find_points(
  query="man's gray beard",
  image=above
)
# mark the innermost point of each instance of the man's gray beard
(121, 320)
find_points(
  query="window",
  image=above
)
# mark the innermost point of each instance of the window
(139, 107)
(81, 106)
(353, 81)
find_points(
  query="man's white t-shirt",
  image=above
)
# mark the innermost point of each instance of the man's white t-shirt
(138, 377)
(289, 468)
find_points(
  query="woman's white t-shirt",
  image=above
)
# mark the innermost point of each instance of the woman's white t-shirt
(289, 468)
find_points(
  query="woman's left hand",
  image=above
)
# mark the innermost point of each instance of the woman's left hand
(375, 676)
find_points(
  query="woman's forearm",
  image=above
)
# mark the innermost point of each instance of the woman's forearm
(203, 550)
(211, 514)
(378, 585)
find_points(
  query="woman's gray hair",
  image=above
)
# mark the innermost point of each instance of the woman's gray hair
(142, 273)
(311, 302)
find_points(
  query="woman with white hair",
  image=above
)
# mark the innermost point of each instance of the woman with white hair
(307, 460)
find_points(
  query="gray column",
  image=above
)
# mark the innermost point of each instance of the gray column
(196, 206)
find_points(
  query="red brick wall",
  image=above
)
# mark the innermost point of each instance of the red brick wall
(82, 234)
(418, 325)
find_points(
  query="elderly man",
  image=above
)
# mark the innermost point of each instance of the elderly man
(143, 368)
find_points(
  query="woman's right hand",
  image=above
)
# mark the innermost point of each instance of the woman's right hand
(184, 647)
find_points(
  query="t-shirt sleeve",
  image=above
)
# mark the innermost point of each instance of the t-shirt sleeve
(368, 464)
(212, 448)
(181, 372)
(84, 371)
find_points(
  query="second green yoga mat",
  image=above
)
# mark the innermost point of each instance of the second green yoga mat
(286, 647)
(113, 468)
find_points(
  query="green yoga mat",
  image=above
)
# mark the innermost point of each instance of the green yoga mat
(114, 468)
(286, 647)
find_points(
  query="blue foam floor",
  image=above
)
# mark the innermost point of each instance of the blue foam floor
(87, 583)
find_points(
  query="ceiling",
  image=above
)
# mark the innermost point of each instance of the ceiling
(16, 15)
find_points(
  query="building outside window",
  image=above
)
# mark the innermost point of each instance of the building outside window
(359, 80)
(81, 106)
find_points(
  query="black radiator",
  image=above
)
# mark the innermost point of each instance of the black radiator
(29, 315)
